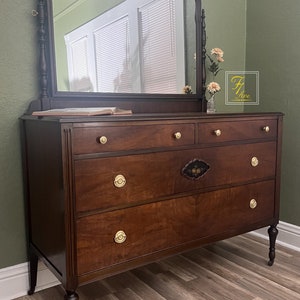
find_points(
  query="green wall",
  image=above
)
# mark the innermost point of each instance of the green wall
(271, 48)
(273, 43)
(263, 36)
(226, 29)
(18, 86)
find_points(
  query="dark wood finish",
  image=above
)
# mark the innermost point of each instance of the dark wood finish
(202, 45)
(33, 261)
(167, 224)
(43, 103)
(145, 172)
(273, 232)
(139, 136)
(232, 131)
(75, 209)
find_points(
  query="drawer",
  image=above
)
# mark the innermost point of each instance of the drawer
(215, 132)
(118, 138)
(154, 227)
(104, 183)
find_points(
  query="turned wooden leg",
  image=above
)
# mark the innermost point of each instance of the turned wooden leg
(71, 295)
(33, 266)
(273, 232)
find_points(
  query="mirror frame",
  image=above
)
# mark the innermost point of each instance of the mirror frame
(51, 98)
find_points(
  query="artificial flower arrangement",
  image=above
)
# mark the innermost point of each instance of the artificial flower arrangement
(215, 59)
(214, 67)
(213, 87)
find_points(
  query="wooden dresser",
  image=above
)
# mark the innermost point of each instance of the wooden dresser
(108, 194)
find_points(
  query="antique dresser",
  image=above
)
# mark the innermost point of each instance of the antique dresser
(107, 194)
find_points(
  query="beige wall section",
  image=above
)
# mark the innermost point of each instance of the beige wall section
(18, 86)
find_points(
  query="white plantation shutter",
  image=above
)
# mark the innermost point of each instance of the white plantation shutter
(113, 64)
(78, 65)
(158, 46)
(79, 58)
(109, 48)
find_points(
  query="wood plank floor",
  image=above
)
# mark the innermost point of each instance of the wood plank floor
(231, 269)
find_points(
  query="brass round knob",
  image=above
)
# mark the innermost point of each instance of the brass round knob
(254, 161)
(253, 203)
(119, 181)
(103, 140)
(120, 237)
(218, 132)
(266, 129)
(177, 135)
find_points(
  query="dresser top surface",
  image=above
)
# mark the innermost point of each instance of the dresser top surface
(153, 117)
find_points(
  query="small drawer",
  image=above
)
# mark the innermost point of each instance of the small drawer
(215, 132)
(119, 138)
(111, 182)
(114, 237)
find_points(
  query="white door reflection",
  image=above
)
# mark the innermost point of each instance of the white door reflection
(135, 47)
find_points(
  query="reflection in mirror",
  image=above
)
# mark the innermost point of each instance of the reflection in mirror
(124, 46)
(231, 37)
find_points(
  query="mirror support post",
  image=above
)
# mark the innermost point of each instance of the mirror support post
(203, 45)
(200, 53)
(43, 61)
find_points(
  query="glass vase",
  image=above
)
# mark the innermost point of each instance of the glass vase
(211, 108)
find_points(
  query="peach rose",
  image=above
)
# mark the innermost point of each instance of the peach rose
(187, 89)
(213, 87)
(217, 51)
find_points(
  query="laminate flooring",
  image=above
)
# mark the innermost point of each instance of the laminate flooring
(235, 269)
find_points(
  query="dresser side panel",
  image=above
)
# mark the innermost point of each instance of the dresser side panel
(46, 191)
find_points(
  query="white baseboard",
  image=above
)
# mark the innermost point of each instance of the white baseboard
(288, 235)
(14, 280)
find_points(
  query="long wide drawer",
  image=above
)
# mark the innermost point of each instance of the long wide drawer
(114, 237)
(104, 183)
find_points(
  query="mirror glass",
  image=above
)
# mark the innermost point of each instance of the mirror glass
(240, 54)
(124, 46)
